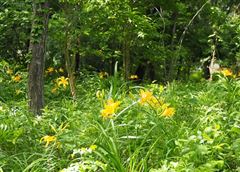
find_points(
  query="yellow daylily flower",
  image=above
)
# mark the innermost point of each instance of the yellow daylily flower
(103, 74)
(50, 70)
(145, 96)
(133, 77)
(168, 112)
(48, 139)
(93, 147)
(62, 81)
(110, 108)
(227, 72)
(17, 78)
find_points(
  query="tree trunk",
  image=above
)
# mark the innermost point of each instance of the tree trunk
(70, 66)
(37, 50)
(173, 59)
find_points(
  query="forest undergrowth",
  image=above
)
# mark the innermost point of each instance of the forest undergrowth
(119, 126)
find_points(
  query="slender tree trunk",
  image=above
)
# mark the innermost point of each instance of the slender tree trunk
(173, 59)
(70, 59)
(70, 66)
(37, 50)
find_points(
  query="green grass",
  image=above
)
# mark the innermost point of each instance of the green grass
(202, 135)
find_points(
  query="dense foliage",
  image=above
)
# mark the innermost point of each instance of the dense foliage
(174, 37)
(119, 86)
